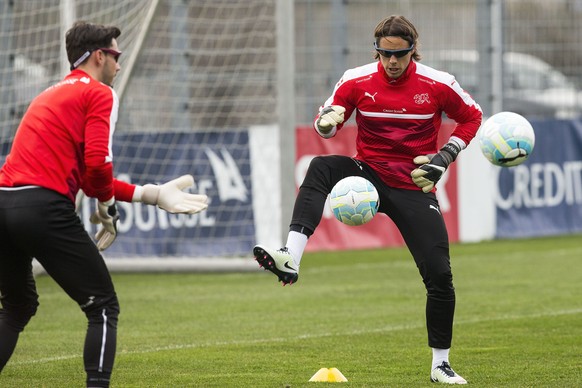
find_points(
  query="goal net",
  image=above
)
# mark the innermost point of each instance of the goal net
(198, 96)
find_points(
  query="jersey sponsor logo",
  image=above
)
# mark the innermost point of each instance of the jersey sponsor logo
(372, 96)
(70, 81)
(85, 80)
(364, 79)
(428, 81)
(388, 114)
(399, 111)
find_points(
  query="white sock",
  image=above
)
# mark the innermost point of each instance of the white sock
(438, 356)
(296, 243)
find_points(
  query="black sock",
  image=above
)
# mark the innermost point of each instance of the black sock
(98, 379)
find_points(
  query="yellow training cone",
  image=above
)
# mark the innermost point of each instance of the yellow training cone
(331, 375)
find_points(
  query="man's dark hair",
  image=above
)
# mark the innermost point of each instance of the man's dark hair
(397, 25)
(86, 37)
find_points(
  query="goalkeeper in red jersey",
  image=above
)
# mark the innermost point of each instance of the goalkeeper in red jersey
(398, 104)
(63, 145)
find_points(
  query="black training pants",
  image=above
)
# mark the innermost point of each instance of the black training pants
(42, 224)
(418, 219)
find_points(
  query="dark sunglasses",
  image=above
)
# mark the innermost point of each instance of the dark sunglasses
(116, 54)
(388, 53)
(87, 53)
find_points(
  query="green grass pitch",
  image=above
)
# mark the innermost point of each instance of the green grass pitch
(518, 323)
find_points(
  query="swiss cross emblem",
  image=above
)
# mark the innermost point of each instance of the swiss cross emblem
(421, 98)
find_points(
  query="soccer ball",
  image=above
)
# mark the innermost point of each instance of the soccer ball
(507, 139)
(354, 200)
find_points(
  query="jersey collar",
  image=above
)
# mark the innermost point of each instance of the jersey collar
(400, 80)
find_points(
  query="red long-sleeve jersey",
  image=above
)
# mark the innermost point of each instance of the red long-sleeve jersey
(63, 142)
(399, 119)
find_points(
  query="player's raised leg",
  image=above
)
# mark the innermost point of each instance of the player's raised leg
(323, 173)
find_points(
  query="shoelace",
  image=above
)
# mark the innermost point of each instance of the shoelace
(446, 369)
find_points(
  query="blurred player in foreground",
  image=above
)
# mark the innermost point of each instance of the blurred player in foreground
(398, 104)
(63, 144)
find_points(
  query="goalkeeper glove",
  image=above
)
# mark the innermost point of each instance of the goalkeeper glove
(433, 166)
(171, 198)
(107, 215)
(329, 117)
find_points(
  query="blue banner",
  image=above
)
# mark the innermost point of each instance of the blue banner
(543, 196)
(220, 164)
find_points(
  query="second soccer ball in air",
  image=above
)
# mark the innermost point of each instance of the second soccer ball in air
(354, 201)
(506, 139)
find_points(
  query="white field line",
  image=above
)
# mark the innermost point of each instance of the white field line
(386, 329)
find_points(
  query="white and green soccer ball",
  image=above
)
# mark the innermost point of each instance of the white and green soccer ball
(354, 201)
(506, 139)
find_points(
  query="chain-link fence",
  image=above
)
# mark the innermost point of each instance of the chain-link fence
(209, 72)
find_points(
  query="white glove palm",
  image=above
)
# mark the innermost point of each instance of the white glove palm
(329, 117)
(171, 198)
(107, 215)
(433, 166)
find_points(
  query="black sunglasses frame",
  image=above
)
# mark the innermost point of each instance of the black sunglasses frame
(397, 53)
(116, 54)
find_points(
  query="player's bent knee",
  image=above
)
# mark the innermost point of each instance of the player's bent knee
(102, 309)
(18, 316)
(444, 283)
(440, 285)
(318, 163)
(318, 174)
(438, 282)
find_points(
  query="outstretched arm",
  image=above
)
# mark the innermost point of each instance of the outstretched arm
(171, 197)
(168, 196)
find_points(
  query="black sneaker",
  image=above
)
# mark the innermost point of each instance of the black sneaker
(279, 262)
